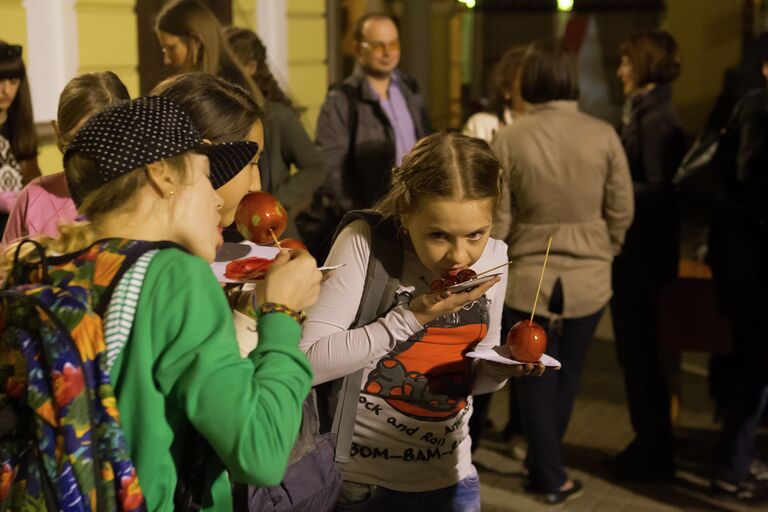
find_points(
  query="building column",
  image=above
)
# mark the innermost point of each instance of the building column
(272, 28)
(307, 57)
(51, 60)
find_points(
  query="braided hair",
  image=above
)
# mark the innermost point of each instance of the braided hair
(249, 48)
(445, 165)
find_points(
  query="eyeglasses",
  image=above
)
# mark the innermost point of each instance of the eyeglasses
(379, 47)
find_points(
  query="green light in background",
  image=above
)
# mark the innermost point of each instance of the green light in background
(469, 3)
(565, 5)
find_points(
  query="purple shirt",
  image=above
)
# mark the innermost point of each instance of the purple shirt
(396, 110)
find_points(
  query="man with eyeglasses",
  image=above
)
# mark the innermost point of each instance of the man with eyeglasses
(367, 123)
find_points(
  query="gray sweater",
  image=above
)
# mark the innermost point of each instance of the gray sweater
(569, 176)
(288, 144)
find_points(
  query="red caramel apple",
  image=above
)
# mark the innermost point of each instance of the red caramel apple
(465, 275)
(292, 243)
(260, 218)
(451, 278)
(527, 341)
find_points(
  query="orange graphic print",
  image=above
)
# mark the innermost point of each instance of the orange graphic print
(427, 377)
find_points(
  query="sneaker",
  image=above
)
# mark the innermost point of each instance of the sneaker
(555, 498)
(748, 491)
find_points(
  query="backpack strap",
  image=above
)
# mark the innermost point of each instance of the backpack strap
(17, 274)
(382, 278)
(130, 250)
(132, 254)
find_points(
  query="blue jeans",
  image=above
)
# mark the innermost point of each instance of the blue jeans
(463, 496)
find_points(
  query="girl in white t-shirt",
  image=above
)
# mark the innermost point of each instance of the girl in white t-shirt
(411, 448)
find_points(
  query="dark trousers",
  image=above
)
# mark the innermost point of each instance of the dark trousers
(482, 403)
(745, 400)
(738, 255)
(635, 314)
(546, 402)
(514, 425)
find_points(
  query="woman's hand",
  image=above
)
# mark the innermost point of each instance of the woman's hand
(430, 306)
(292, 280)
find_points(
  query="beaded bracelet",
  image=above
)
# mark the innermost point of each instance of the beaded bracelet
(271, 307)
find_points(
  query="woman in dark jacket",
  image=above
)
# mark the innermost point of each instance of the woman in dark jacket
(653, 138)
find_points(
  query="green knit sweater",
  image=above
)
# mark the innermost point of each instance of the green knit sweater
(181, 369)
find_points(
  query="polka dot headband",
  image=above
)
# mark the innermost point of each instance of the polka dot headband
(131, 135)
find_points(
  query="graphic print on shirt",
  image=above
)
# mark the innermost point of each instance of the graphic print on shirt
(427, 377)
(10, 174)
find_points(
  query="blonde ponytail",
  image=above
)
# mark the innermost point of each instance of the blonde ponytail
(72, 237)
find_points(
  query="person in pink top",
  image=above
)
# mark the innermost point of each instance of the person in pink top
(45, 202)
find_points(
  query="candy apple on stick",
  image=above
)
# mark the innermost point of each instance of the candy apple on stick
(454, 277)
(451, 278)
(527, 340)
(261, 218)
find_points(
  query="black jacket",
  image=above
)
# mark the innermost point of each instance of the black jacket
(738, 241)
(357, 141)
(287, 144)
(747, 184)
(655, 144)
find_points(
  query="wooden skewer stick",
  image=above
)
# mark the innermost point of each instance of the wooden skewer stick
(541, 278)
(494, 268)
(277, 242)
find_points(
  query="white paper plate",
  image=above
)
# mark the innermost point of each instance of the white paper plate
(468, 285)
(500, 354)
(231, 251)
(236, 251)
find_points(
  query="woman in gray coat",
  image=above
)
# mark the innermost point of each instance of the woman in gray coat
(567, 176)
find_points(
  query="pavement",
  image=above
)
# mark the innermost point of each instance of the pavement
(600, 427)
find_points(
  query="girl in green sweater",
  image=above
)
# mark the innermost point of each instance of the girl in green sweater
(141, 171)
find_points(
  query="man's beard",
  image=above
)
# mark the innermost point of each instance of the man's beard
(376, 73)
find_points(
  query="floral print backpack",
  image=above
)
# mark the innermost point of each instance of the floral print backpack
(61, 444)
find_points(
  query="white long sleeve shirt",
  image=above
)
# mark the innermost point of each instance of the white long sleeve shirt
(412, 428)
